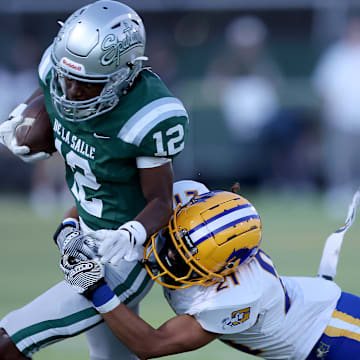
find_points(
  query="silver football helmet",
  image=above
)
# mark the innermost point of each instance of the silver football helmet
(103, 42)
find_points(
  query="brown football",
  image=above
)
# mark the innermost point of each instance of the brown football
(36, 131)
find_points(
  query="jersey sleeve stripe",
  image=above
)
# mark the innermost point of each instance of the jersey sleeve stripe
(45, 64)
(139, 125)
(152, 122)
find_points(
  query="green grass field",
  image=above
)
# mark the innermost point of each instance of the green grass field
(294, 231)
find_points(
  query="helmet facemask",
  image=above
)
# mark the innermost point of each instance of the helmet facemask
(79, 110)
(171, 264)
(172, 260)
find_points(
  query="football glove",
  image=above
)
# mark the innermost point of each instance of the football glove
(71, 241)
(87, 278)
(124, 243)
(84, 276)
(8, 138)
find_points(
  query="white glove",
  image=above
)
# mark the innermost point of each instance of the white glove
(124, 243)
(7, 136)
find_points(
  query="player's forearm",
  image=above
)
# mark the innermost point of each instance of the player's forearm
(141, 338)
(72, 213)
(130, 329)
(155, 215)
(156, 184)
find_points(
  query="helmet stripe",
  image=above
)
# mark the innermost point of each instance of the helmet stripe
(45, 65)
(225, 212)
(233, 223)
(223, 221)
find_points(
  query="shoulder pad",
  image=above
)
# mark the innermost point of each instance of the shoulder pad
(184, 190)
(228, 320)
(45, 64)
(148, 117)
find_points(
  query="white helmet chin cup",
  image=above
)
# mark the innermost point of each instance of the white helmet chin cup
(103, 42)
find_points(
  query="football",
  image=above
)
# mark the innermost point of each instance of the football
(36, 130)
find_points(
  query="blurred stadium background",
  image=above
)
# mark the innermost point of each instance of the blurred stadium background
(245, 72)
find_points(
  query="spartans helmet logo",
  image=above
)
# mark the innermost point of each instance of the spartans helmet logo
(114, 47)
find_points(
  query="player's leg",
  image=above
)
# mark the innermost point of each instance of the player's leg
(55, 315)
(341, 338)
(8, 350)
(61, 313)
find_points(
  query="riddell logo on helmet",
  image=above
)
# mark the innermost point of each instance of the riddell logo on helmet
(67, 63)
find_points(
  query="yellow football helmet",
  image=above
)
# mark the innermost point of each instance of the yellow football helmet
(205, 240)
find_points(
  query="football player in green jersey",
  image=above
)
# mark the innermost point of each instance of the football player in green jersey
(117, 128)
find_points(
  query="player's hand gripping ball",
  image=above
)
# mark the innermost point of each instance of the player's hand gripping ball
(27, 133)
(36, 131)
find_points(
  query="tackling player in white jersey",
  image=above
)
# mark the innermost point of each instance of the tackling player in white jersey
(221, 285)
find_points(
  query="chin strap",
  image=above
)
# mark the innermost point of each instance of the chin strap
(136, 67)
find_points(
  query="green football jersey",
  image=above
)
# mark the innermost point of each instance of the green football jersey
(100, 153)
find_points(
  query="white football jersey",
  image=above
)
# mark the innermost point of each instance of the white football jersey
(261, 313)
